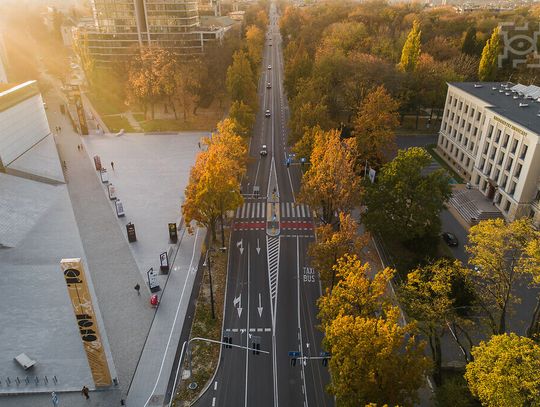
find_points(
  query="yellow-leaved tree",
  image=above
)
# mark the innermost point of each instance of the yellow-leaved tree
(331, 185)
(214, 184)
(505, 372)
(332, 244)
(497, 250)
(254, 45)
(373, 358)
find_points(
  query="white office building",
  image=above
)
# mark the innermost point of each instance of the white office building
(490, 134)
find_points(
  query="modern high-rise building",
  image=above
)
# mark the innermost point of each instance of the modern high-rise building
(490, 134)
(122, 26)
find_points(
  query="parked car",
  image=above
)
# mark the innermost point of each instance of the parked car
(450, 239)
(267, 113)
(264, 150)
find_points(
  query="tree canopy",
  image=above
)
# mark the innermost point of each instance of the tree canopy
(505, 371)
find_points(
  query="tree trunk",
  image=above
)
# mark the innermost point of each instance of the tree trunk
(502, 321)
(534, 327)
(435, 343)
(171, 101)
(222, 231)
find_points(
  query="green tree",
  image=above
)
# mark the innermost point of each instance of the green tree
(333, 244)
(406, 202)
(505, 372)
(330, 184)
(530, 263)
(487, 70)
(411, 49)
(498, 250)
(428, 297)
(241, 80)
(374, 127)
(469, 45)
(243, 117)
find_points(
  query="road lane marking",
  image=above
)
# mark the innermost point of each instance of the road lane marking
(213, 401)
(247, 336)
(215, 385)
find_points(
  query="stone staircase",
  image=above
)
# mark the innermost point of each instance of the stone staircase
(466, 206)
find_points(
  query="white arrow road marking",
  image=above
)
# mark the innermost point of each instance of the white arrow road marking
(258, 248)
(240, 245)
(260, 308)
(238, 301)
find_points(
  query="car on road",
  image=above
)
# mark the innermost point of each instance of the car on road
(450, 239)
(269, 66)
(264, 150)
(268, 85)
(267, 113)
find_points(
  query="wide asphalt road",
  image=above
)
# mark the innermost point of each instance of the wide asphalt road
(271, 290)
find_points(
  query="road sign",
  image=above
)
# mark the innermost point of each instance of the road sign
(294, 354)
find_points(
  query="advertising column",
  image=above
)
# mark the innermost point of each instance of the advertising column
(81, 300)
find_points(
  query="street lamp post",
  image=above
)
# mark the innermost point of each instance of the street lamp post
(207, 263)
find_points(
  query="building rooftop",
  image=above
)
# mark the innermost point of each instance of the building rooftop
(518, 103)
(12, 93)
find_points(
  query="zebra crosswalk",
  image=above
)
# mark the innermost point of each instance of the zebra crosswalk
(257, 210)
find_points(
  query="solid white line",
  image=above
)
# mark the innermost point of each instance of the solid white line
(247, 326)
(175, 318)
(257, 173)
(299, 323)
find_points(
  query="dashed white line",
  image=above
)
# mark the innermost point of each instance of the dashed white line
(213, 401)
(215, 385)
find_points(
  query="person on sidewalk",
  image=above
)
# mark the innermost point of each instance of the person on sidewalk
(137, 288)
(112, 165)
(85, 392)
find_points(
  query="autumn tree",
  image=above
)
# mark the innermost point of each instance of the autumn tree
(214, 184)
(429, 297)
(374, 359)
(374, 127)
(241, 80)
(530, 263)
(143, 78)
(497, 249)
(254, 45)
(333, 244)
(411, 49)
(243, 117)
(505, 371)
(487, 70)
(406, 201)
(330, 184)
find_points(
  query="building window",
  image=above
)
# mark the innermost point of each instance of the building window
(497, 173)
(460, 137)
(490, 131)
(503, 182)
(498, 136)
(501, 158)
(466, 141)
(518, 170)
(524, 151)
(477, 179)
(460, 105)
(514, 146)
(486, 146)
(498, 198)
(512, 188)
(468, 126)
(450, 100)
(507, 206)
(472, 146)
(478, 116)
(452, 117)
(466, 109)
(509, 164)
(475, 130)
(455, 102)
(472, 112)
(493, 151)
(505, 142)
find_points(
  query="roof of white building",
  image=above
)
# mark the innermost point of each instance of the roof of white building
(516, 102)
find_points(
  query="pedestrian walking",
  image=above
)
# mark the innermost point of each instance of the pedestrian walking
(112, 165)
(78, 147)
(199, 143)
(59, 128)
(64, 164)
(137, 288)
(85, 392)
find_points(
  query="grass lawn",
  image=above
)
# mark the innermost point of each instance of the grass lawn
(201, 122)
(107, 103)
(205, 355)
(431, 148)
(115, 123)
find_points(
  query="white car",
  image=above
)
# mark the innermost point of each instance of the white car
(267, 113)
(269, 66)
(268, 85)
(264, 150)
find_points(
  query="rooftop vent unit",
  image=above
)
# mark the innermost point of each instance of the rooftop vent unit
(523, 104)
(507, 93)
(515, 97)
(501, 90)
(477, 85)
(493, 88)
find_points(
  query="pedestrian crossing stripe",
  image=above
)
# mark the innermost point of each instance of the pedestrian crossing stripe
(257, 210)
(235, 330)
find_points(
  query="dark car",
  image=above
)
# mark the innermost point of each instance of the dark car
(450, 239)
